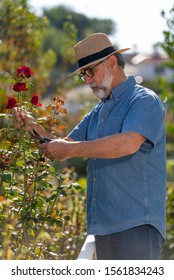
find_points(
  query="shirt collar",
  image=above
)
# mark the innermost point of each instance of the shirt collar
(107, 98)
(126, 86)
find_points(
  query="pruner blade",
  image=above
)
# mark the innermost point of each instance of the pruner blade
(41, 139)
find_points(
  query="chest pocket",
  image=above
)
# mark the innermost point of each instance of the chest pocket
(112, 126)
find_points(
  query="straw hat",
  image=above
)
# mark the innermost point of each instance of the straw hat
(94, 49)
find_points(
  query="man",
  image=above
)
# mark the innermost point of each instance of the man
(123, 138)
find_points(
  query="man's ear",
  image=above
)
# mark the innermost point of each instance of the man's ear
(112, 61)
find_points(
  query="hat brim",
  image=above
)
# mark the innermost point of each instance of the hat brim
(77, 71)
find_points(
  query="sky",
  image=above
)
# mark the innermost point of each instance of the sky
(139, 22)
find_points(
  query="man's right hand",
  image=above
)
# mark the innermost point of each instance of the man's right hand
(24, 120)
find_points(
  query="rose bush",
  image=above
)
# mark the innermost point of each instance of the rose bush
(40, 209)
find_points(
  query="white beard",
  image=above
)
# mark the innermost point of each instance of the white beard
(103, 90)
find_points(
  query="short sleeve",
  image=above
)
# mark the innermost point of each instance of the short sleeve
(146, 117)
(79, 133)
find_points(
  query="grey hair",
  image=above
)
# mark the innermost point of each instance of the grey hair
(120, 60)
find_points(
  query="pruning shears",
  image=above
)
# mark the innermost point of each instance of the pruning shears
(41, 139)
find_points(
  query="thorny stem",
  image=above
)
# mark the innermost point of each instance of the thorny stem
(24, 185)
(48, 211)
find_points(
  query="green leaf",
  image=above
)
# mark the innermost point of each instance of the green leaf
(11, 81)
(45, 174)
(59, 222)
(14, 169)
(43, 183)
(35, 154)
(48, 218)
(51, 197)
(12, 192)
(52, 169)
(20, 163)
(67, 218)
(60, 188)
(76, 186)
(6, 177)
(33, 205)
(63, 193)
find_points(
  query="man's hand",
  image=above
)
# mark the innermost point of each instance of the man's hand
(56, 149)
(24, 120)
(113, 146)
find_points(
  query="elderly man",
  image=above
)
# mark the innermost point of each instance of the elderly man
(123, 138)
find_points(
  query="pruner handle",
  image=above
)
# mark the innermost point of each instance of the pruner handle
(45, 140)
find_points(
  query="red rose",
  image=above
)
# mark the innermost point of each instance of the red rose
(24, 70)
(19, 87)
(34, 100)
(11, 103)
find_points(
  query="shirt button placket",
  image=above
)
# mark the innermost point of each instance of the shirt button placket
(94, 199)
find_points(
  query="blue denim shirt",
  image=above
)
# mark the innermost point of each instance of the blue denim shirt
(130, 191)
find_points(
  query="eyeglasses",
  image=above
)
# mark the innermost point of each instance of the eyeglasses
(88, 72)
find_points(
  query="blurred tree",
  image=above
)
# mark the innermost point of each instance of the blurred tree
(168, 44)
(54, 37)
(21, 37)
(168, 95)
(28, 228)
(168, 87)
(58, 15)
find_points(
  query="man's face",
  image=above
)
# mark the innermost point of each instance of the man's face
(102, 89)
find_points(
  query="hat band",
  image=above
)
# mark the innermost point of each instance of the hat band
(88, 59)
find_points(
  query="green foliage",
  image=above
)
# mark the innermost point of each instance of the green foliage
(167, 92)
(41, 211)
(21, 37)
(168, 44)
(30, 192)
(21, 32)
(166, 88)
(78, 24)
(35, 222)
(168, 251)
(85, 26)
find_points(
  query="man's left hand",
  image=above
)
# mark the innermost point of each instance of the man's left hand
(56, 149)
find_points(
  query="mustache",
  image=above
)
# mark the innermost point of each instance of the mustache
(92, 85)
(96, 86)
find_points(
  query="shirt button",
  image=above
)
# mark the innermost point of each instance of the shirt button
(94, 179)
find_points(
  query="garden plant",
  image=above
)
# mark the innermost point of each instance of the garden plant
(40, 209)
